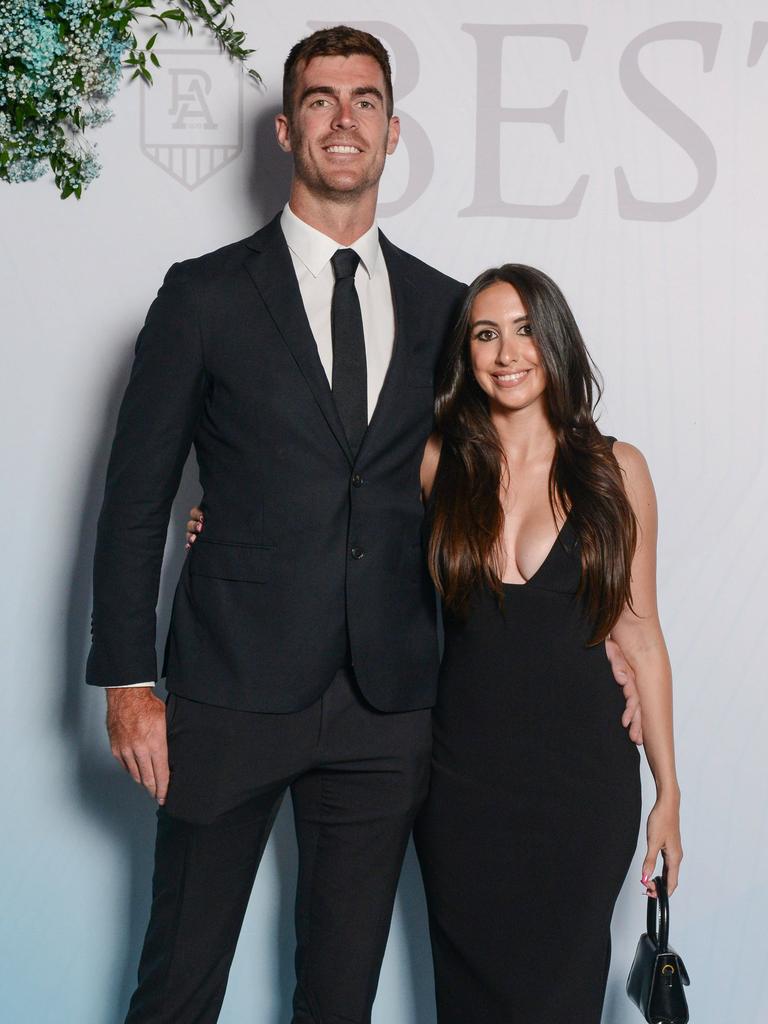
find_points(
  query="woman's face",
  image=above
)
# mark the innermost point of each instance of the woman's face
(502, 351)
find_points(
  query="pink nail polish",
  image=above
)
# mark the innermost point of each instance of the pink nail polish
(645, 879)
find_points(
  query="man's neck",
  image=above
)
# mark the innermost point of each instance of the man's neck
(344, 222)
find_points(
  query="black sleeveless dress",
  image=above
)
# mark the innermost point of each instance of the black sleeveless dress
(534, 807)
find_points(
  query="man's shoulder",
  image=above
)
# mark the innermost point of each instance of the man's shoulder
(226, 258)
(218, 261)
(424, 274)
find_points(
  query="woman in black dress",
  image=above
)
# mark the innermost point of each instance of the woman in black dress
(543, 537)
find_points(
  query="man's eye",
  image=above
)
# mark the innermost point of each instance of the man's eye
(366, 104)
(318, 103)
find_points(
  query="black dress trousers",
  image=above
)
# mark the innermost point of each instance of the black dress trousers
(357, 778)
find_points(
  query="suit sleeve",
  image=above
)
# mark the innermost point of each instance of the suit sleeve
(156, 424)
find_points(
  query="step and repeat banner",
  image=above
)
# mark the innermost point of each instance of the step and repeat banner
(620, 147)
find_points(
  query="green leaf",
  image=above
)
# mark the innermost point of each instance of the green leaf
(155, 61)
(151, 42)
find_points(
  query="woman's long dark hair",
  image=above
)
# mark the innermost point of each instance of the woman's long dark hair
(585, 479)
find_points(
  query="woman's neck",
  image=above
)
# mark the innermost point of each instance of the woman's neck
(526, 435)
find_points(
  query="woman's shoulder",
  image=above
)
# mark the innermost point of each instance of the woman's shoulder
(629, 457)
(633, 465)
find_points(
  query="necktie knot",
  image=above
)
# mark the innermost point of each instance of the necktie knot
(345, 262)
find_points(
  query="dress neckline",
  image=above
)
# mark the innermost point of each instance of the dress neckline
(547, 557)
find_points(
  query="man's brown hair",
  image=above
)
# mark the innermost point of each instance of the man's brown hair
(339, 41)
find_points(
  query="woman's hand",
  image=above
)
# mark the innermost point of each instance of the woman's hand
(663, 837)
(194, 526)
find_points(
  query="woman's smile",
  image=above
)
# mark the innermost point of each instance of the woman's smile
(510, 378)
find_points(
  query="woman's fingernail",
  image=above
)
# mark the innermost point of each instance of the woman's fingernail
(199, 526)
(645, 879)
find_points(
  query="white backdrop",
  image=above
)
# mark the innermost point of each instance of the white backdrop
(620, 147)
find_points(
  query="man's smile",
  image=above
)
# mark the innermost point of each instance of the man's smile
(340, 149)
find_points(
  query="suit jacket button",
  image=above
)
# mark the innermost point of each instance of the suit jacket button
(357, 480)
(357, 552)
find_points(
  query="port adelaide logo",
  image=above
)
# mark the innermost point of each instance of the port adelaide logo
(191, 119)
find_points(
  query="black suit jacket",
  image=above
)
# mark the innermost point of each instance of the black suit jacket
(306, 554)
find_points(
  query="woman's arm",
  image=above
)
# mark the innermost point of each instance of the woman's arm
(638, 633)
(429, 465)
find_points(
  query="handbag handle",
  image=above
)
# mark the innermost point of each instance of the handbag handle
(662, 902)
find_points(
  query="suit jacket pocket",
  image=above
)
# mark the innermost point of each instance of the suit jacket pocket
(229, 561)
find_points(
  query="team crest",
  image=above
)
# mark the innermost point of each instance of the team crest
(192, 117)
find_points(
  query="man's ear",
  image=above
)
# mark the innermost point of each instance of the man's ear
(283, 133)
(393, 135)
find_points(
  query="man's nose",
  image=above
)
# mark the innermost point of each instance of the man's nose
(345, 116)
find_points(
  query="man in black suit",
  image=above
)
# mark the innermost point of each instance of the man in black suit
(302, 651)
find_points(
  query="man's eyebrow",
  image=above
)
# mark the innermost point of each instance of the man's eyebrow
(329, 90)
(368, 90)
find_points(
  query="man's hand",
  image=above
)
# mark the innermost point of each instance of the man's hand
(136, 727)
(625, 677)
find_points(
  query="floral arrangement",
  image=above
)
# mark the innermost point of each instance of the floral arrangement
(61, 61)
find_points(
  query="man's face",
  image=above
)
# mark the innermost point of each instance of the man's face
(339, 132)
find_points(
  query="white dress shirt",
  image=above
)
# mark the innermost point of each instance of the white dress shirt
(311, 253)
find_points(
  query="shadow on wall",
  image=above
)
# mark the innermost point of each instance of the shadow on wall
(269, 169)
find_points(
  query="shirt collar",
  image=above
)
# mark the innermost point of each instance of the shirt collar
(315, 249)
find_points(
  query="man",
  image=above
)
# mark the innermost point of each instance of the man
(302, 650)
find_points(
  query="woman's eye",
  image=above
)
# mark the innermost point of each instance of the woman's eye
(526, 330)
(486, 335)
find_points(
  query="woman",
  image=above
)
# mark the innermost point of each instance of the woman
(543, 537)
(542, 542)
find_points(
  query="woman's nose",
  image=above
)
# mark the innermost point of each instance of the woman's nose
(507, 353)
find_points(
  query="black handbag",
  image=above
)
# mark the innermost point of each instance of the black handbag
(658, 974)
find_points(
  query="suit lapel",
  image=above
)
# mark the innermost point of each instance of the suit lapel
(406, 310)
(270, 267)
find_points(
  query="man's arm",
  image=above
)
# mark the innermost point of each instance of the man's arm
(156, 424)
(625, 677)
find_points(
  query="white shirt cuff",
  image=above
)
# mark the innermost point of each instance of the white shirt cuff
(126, 686)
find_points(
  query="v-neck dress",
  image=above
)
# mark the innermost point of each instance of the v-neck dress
(534, 808)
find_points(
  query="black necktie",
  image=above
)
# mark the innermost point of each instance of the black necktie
(350, 383)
